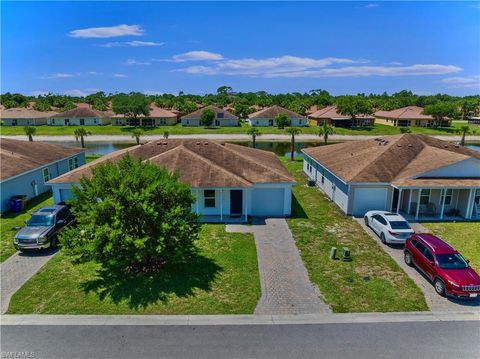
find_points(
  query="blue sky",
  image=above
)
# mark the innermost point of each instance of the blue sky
(344, 47)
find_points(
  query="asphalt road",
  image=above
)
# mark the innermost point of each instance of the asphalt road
(451, 339)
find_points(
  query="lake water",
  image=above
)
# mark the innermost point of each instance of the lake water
(279, 148)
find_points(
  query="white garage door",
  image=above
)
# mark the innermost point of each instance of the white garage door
(367, 199)
(268, 202)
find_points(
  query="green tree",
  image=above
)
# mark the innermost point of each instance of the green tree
(80, 133)
(67, 106)
(353, 106)
(206, 118)
(132, 105)
(254, 132)
(132, 214)
(281, 120)
(464, 130)
(166, 134)
(137, 133)
(224, 90)
(30, 131)
(441, 111)
(405, 130)
(325, 131)
(293, 131)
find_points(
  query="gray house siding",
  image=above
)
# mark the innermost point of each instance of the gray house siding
(32, 183)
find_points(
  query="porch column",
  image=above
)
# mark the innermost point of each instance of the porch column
(443, 192)
(418, 204)
(221, 205)
(398, 199)
(198, 199)
(409, 200)
(245, 192)
(471, 196)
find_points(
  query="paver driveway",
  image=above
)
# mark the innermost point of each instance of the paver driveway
(434, 301)
(17, 269)
(286, 288)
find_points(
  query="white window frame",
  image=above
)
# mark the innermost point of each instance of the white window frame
(205, 198)
(448, 198)
(46, 174)
(425, 195)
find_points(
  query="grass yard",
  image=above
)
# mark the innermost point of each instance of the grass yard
(377, 129)
(222, 279)
(11, 220)
(372, 282)
(463, 236)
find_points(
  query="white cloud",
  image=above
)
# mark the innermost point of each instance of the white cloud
(135, 62)
(94, 73)
(152, 92)
(369, 6)
(462, 82)
(109, 31)
(59, 75)
(39, 93)
(120, 76)
(132, 44)
(197, 56)
(80, 92)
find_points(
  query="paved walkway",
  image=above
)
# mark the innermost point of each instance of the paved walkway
(434, 301)
(286, 288)
(16, 270)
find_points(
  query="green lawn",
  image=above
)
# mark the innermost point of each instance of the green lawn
(463, 236)
(372, 282)
(222, 279)
(178, 130)
(11, 220)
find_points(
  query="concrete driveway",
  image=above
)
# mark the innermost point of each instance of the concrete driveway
(434, 301)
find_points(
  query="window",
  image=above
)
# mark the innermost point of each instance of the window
(72, 163)
(427, 254)
(270, 122)
(418, 122)
(448, 197)
(162, 121)
(53, 121)
(209, 198)
(119, 121)
(419, 246)
(14, 122)
(46, 174)
(220, 115)
(425, 196)
(380, 219)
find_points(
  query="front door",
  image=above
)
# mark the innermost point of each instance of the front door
(396, 193)
(82, 122)
(236, 202)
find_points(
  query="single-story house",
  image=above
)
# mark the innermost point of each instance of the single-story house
(21, 116)
(266, 117)
(228, 180)
(408, 116)
(418, 176)
(81, 116)
(157, 117)
(333, 118)
(26, 167)
(222, 118)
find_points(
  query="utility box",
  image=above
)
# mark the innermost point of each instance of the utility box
(346, 255)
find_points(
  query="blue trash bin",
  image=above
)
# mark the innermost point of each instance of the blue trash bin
(16, 205)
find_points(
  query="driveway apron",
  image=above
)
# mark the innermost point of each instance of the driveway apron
(286, 287)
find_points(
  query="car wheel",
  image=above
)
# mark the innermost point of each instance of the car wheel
(408, 259)
(366, 221)
(382, 238)
(439, 287)
(53, 243)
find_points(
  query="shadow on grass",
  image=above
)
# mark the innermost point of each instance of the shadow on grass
(297, 209)
(29, 205)
(140, 290)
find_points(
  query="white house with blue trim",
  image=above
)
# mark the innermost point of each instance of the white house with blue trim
(26, 167)
(419, 176)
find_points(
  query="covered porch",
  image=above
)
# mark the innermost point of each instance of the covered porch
(437, 204)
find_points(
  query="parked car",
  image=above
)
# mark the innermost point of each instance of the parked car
(390, 227)
(41, 230)
(449, 272)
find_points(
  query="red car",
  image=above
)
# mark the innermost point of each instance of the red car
(444, 266)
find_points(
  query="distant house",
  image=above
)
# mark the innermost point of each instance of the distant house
(228, 180)
(26, 167)
(81, 116)
(157, 117)
(24, 117)
(223, 118)
(416, 175)
(266, 117)
(408, 116)
(332, 117)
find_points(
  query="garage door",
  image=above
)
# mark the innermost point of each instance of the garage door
(367, 199)
(268, 202)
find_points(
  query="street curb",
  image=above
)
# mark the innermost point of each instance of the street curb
(204, 320)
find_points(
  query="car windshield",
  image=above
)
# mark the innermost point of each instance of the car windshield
(399, 225)
(37, 220)
(451, 261)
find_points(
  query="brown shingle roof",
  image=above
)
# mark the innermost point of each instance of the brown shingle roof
(155, 112)
(196, 114)
(330, 112)
(391, 159)
(200, 163)
(84, 112)
(273, 111)
(405, 113)
(22, 112)
(18, 156)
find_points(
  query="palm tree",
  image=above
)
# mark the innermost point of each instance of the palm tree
(137, 133)
(81, 133)
(254, 132)
(30, 131)
(326, 130)
(464, 130)
(166, 134)
(293, 131)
